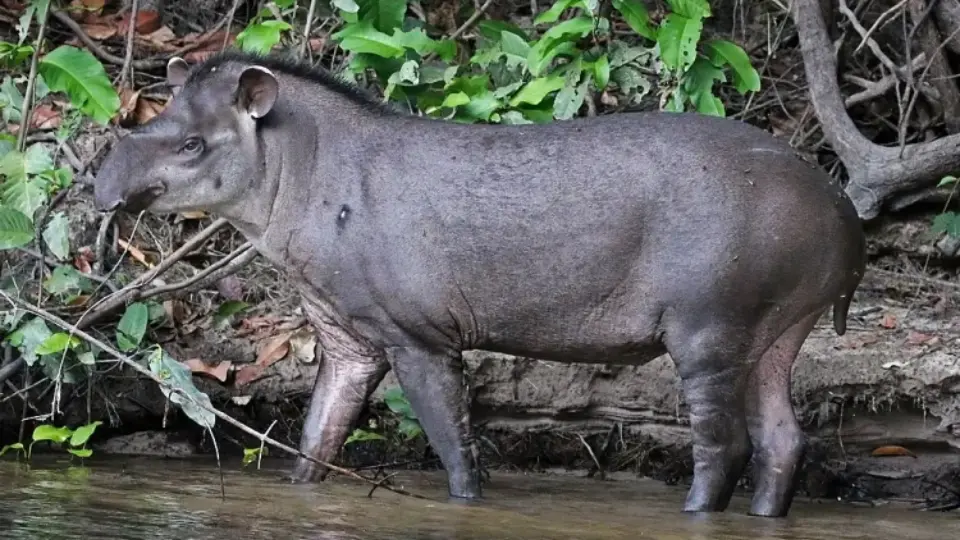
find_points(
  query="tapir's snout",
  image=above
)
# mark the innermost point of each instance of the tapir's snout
(120, 183)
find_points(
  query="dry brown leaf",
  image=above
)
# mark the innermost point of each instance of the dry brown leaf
(197, 214)
(219, 371)
(176, 310)
(45, 117)
(82, 260)
(79, 301)
(146, 110)
(134, 252)
(128, 104)
(919, 338)
(274, 350)
(303, 345)
(317, 44)
(892, 450)
(247, 374)
(100, 31)
(889, 321)
(148, 21)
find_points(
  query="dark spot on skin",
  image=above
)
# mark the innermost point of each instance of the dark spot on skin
(343, 216)
(324, 202)
(218, 182)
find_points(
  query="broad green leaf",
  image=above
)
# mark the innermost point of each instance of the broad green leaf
(631, 81)
(82, 434)
(491, 29)
(539, 59)
(87, 358)
(557, 40)
(47, 432)
(947, 180)
(536, 90)
(419, 41)
(57, 343)
(15, 446)
(7, 143)
(513, 118)
(698, 84)
(26, 195)
(601, 71)
(678, 39)
(350, 6)
(570, 98)
(262, 37)
(16, 229)
(409, 428)
(455, 99)
(224, 313)
(622, 54)
(360, 435)
(80, 75)
(132, 326)
(506, 91)
(745, 77)
(384, 15)
(947, 222)
(691, 9)
(636, 16)
(57, 236)
(28, 337)
(552, 14)
(81, 452)
(515, 48)
(362, 37)
(63, 280)
(178, 376)
(397, 402)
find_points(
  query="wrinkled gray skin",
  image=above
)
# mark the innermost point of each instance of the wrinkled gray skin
(611, 239)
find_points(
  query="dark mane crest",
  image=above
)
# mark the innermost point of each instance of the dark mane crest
(289, 65)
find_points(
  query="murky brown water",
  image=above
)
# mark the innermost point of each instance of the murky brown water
(140, 499)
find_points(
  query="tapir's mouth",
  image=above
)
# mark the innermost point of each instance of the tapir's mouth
(141, 200)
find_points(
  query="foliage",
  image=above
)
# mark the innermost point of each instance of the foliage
(403, 420)
(947, 222)
(74, 439)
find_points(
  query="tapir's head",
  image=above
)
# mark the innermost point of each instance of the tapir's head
(201, 152)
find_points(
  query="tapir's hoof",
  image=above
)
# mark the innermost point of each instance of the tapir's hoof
(474, 500)
(767, 509)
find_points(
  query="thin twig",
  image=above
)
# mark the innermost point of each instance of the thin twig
(231, 263)
(306, 29)
(127, 68)
(464, 27)
(129, 362)
(880, 20)
(229, 23)
(27, 108)
(99, 51)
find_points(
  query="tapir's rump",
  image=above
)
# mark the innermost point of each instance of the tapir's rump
(609, 239)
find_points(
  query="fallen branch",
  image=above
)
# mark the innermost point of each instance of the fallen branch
(876, 172)
(220, 269)
(10, 369)
(129, 362)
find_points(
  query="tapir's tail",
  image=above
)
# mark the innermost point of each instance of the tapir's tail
(842, 305)
(840, 309)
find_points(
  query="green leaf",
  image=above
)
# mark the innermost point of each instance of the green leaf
(678, 39)
(384, 15)
(15, 446)
(947, 180)
(601, 71)
(251, 454)
(410, 428)
(224, 313)
(515, 48)
(47, 432)
(691, 9)
(16, 229)
(80, 75)
(178, 376)
(132, 326)
(57, 236)
(360, 435)
(745, 77)
(636, 16)
(570, 98)
(57, 343)
(491, 29)
(481, 106)
(947, 222)
(81, 452)
(63, 280)
(536, 90)
(398, 403)
(513, 118)
(82, 434)
(261, 38)
(455, 100)
(552, 14)
(556, 40)
(362, 37)
(87, 358)
(346, 5)
(28, 337)
(698, 85)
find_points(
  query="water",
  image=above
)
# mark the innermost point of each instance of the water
(139, 499)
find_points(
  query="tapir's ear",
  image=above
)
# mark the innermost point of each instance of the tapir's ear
(257, 92)
(177, 70)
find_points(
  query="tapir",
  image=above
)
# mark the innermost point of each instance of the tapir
(612, 239)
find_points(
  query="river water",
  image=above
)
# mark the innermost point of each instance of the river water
(178, 499)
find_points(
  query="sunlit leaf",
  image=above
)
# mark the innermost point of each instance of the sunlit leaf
(678, 37)
(537, 90)
(81, 76)
(636, 16)
(47, 432)
(57, 343)
(262, 37)
(745, 77)
(360, 435)
(83, 433)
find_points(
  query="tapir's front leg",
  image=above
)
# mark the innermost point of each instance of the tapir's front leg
(348, 374)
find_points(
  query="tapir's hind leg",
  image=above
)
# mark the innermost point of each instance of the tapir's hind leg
(777, 439)
(714, 368)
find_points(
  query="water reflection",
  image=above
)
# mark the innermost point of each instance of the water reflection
(140, 499)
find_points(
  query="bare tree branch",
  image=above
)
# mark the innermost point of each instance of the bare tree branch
(876, 172)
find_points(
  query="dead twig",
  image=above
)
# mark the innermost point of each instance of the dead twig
(225, 266)
(11, 369)
(129, 362)
(465, 26)
(127, 68)
(27, 108)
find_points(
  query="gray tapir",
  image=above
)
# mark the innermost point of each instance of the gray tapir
(612, 239)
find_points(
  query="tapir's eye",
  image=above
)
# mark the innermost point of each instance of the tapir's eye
(193, 145)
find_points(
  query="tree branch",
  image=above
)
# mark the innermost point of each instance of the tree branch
(876, 172)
